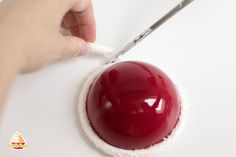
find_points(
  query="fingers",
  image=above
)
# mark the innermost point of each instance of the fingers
(64, 48)
(80, 20)
(71, 24)
(81, 23)
(74, 46)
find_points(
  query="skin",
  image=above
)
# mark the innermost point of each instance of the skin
(30, 36)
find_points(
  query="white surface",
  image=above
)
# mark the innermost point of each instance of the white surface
(197, 47)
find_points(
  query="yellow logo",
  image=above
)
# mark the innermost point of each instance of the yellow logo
(18, 141)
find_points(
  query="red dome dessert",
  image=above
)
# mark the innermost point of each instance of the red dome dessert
(133, 105)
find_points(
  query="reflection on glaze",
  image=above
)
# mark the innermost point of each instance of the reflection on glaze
(133, 105)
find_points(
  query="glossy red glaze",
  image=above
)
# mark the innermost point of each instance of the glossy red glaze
(133, 105)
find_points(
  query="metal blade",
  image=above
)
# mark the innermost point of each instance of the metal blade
(147, 32)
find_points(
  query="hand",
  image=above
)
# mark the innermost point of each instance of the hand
(30, 35)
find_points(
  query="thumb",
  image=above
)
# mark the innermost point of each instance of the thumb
(74, 46)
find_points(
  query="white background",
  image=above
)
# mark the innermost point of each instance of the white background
(196, 47)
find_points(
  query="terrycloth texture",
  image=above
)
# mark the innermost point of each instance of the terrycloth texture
(105, 51)
(111, 150)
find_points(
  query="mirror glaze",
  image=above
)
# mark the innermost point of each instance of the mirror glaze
(133, 105)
